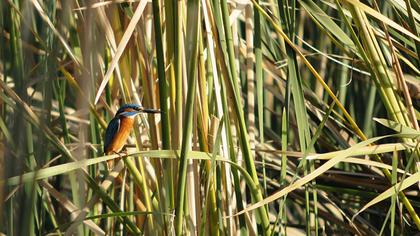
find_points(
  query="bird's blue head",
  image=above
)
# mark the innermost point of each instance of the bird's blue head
(130, 110)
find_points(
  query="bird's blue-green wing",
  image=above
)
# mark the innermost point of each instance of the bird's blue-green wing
(111, 130)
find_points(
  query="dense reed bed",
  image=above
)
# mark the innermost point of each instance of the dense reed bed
(291, 117)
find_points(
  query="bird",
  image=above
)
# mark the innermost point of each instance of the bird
(119, 128)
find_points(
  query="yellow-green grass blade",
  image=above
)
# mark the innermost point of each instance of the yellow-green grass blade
(121, 46)
(317, 172)
(328, 24)
(397, 127)
(193, 35)
(400, 186)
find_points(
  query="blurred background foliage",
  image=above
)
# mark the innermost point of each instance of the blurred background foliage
(292, 117)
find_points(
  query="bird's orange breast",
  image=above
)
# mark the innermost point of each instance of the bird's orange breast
(120, 138)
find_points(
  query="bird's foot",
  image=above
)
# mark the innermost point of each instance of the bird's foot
(110, 163)
(125, 153)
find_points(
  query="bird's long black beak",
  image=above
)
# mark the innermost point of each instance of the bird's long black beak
(145, 110)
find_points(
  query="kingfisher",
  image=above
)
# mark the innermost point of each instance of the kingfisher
(119, 128)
